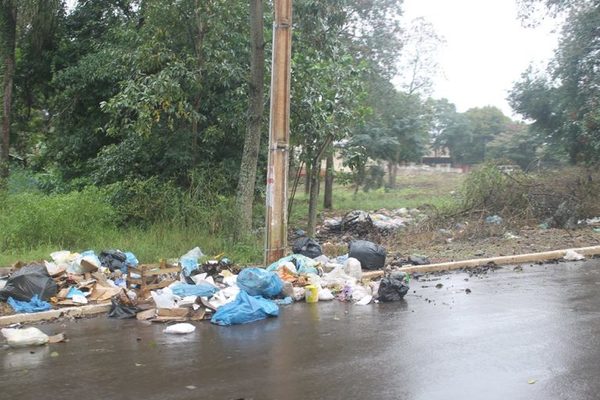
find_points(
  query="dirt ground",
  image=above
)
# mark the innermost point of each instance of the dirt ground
(467, 241)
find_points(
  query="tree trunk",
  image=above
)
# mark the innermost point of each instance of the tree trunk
(313, 199)
(247, 180)
(328, 198)
(9, 37)
(392, 173)
(307, 170)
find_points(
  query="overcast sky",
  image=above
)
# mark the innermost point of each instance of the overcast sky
(486, 48)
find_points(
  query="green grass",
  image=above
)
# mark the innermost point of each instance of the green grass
(149, 245)
(416, 191)
(33, 225)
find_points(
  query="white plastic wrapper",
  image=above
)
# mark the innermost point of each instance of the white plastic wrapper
(180, 329)
(24, 337)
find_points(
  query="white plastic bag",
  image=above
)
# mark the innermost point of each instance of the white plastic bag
(352, 268)
(180, 329)
(365, 300)
(24, 337)
(165, 298)
(325, 294)
(572, 255)
(358, 292)
(299, 293)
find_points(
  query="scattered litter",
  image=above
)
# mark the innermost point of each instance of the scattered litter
(29, 281)
(493, 219)
(572, 255)
(181, 329)
(307, 247)
(325, 295)
(245, 309)
(370, 255)
(32, 306)
(203, 289)
(531, 381)
(259, 282)
(24, 337)
(393, 287)
(312, 293)
(120, 310)
(365, 300)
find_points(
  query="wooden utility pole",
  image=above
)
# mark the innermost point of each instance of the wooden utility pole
(279, 133)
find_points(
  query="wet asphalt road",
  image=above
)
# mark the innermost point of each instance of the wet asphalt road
(541, 325)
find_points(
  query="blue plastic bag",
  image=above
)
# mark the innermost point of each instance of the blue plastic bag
(245, 309)
(131, 259)
(202, 290)
(32, 306)
(74, 292)
(259, 282)
(304, 265)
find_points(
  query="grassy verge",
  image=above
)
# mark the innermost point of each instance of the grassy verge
(149, 245)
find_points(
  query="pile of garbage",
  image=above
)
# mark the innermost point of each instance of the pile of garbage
(69, 279)
(193, 288)
(361, 223)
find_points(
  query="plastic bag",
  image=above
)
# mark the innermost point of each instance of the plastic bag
(370, 255)
(29, 281)
(353, 268)
(24, 337)
(393, 287)
(203, 289)
(189, 261)
(307, 247)
(245, 309)
(114, 260)
(32, 306)
(259, 282)
(122, 311)
(325, 295)
(180, 329)
(165, 298)
(304, 265)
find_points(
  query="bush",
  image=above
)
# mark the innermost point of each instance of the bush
(64, 220)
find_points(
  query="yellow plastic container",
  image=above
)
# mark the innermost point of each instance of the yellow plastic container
(312, 294)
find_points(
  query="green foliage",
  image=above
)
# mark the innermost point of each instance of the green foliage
(29, 219)
(563, 102)
(487, 188)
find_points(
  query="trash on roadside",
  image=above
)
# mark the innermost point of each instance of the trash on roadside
(189, 261)
(245, 309)
(24, 337)
(32, 306)
(418, 260)
(365, 300)
(325, 295)
(114, 260)
(303, 264)
(352, 267)
(203, 289)
(371, 255)
(180, 329)
(311, 293)
(307, 247)
(493, 219)
(121, 310)
(357, 222)
(29, 281)
(393, 287)
(572, 255)
(259, 282)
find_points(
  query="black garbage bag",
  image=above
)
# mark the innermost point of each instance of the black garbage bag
(307, 247)
(121, 311)
(370, 255)
(393, 287)
(28, 281)
(357, 222)
(114, 260)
